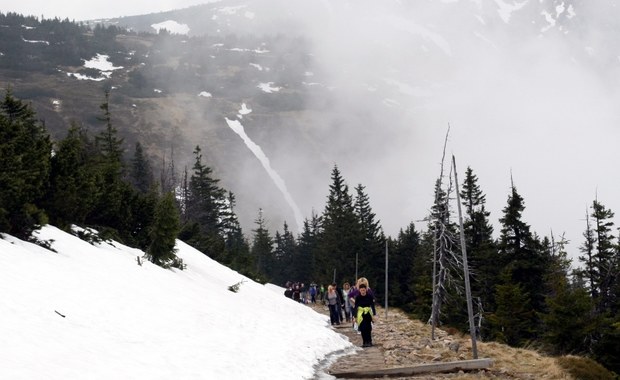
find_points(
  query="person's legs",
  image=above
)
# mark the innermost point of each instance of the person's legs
(333, 317)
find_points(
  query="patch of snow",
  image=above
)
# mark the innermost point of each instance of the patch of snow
(85, 77)
(157, 91)
(171, 26)
(244, 110)
(101, 63)
(35, 41)
(205, 94)
(28, 27)
(505, 10)
(550, 20)
(257, 51)
(250, 15)
(231, 10)
(257, 66)
(268, 87)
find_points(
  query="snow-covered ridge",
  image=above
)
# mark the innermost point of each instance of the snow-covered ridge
(90, 311)
(172, 26)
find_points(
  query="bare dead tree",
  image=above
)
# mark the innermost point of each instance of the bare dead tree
(446, 260)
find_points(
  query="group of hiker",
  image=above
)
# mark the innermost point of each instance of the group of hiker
(354, 304)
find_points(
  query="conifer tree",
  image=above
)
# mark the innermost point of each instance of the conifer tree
(204, 208)
(524, 268)
(73, 182)
(262, 248)
(568, 321)
(512, 321)
(164, 232)
(340, 234)
(371, 252)
(112, 209)
(237, 248)
(141, 172)
(287, 265)
(590, 270)
(308, 246)
(605, 257)
(25, 151)
(481, 251)
(409, 272)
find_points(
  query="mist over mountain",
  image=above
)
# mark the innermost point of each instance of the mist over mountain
(529, 89)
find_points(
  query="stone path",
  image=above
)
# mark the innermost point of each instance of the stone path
(403, 342)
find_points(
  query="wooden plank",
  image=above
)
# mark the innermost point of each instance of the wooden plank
(423, 368)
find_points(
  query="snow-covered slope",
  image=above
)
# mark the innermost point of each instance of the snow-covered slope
(91, 312)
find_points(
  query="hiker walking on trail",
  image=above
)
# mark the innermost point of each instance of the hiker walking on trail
(365, 306)
(333, 301)
(313, 293)
(348, 312)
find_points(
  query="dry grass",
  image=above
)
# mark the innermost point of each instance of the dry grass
(405, 342)
(522, 362)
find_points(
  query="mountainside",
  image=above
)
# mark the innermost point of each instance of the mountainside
(81, 310)
(368, 86)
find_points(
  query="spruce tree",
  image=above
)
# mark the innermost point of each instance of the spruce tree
(524, 268)
(141, 172)
(481, 251)
(262, 248)
(237, 248)
(340, 234)
(288, 265)
(163, 232)
(25, 151)
(112, 210)
(408, 271)
(73, 182)
(204, 207)
(591, 269)
(371, 253)
(605, 257)
(567, 320)
(308, 247)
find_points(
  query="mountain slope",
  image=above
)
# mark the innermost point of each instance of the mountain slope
(89, 311)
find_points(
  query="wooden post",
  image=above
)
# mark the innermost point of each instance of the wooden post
(386, 279)
(356, 257)
(470, 312)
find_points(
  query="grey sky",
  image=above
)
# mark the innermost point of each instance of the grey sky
(93, 9)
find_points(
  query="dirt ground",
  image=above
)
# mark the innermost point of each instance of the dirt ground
(403, 342)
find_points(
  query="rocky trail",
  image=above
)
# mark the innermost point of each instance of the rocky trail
(400, 341)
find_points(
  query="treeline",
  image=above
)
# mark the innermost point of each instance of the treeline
(525, 292)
